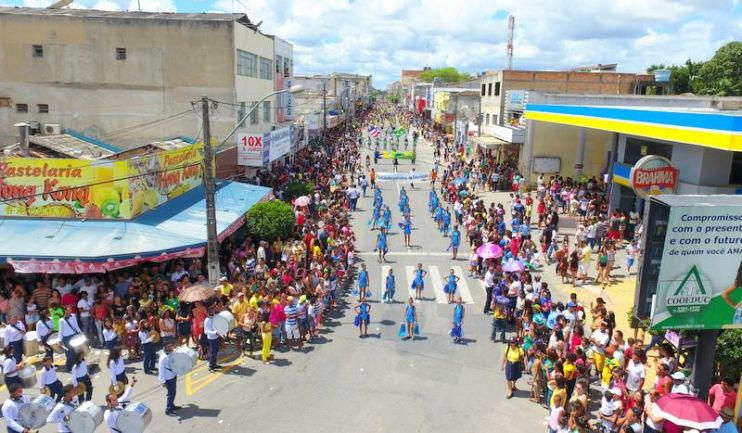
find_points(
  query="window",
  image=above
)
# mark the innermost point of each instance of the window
(484, 89)
(254, 114)
(497, 88)
(43, 108)
(489, 89)
(120, 53)
(267, 111)
(487, 119)
(37, 50)
(247, 64)
(266, 69)
(21, 108)
(735, 176)
(279, 62)
(494, 119)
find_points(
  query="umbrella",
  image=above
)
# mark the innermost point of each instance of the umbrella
(489, 251)
(503, 300)
(459, 181)
(513, 266)
(687, 411)
(196, 293)
(302, 201)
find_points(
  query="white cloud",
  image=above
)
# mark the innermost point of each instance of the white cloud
(152, 5)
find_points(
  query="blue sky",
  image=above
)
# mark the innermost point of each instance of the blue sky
(382, 37)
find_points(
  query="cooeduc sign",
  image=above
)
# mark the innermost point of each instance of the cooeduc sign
(653, 175)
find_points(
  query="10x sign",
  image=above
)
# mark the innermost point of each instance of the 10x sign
(249, 149)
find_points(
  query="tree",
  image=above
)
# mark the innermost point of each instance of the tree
(297, 189)
(729, 353)
(722, 75)
(270, 220)
(447, 75)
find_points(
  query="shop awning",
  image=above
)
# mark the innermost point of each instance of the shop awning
(489, 142)
(175, 229)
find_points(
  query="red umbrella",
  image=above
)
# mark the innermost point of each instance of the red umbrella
(687, 411)
(489, 251)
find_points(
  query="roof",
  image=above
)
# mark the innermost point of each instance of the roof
(176, 225)
(93, 13)
(411, 72)
(488, 141)
(703, 127)
(62, 145)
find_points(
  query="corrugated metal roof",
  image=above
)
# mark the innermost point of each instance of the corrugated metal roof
(92, 13)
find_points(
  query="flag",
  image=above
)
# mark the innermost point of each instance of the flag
(374, 132)
(400, 132)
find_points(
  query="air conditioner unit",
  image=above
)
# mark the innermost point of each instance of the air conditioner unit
(51, 129)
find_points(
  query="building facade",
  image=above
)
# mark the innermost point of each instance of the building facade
(130, 78)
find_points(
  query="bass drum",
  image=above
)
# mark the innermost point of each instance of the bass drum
(33, 414)
(224, 322)
(27, 375)
(55, 341)
(85, 418)
(182, 360)
(30, 344)
(134, 419)
(79, 344)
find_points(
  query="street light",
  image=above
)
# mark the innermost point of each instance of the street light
(212, 242)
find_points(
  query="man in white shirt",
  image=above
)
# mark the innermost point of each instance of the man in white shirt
(178, 274)
(213, 338)
(63, 286)
(87, 285)
(11, 407)
(86, 320)
(68, 328)
(114, 408)
(489, 285)
(14, 333)
(60, 415)
(169, 379)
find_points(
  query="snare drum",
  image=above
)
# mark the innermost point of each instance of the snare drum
(85, 418)
(27, 375)
(55, 342)
(134, 419)
(223, 322)
(30, 344)
(182, 360)
(79, 343)
(34, 413)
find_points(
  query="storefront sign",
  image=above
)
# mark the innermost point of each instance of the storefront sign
(653, 175)
(280, 143)
(249, 149)
(74, 188)
(700, 274)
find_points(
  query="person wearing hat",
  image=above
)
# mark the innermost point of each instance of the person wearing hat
(224, 289)
(60, 415)
(610, 408)
(727, 421)
(679, 383)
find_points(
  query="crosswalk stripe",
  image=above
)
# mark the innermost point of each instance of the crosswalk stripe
(437, 283)
(481, 284)
(410, 274)
(463, 287)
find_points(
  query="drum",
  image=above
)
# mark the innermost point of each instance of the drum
(85, 418)
(55, 341)
(79, 343)
(27, 375)
(224, 322)
(33, 414)
(30, 344)
(182, 360)
(134, 419)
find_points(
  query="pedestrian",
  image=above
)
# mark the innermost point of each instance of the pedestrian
(266, 331)
(212, 338)
(363, 317)
(457, 332)
(389, 288)
(168, 378)
(410, 319)
(512, 364)
(451, 285)
(372, 174)
(364, 183)
(418, 282)
(396, 163)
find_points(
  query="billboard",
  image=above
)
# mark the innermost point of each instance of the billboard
(74, 188)
(249, 149)
(280, 143)
(699, 285)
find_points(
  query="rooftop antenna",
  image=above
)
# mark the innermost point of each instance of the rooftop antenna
(511, 31)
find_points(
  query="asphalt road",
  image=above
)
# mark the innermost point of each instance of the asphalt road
(344, 383)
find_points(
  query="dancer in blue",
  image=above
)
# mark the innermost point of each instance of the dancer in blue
(375, 218)
(381, 244)
(418, 282)
(451, 285)
(362, 282)
(410, 319)
(387, 218)
(431, 195)
(434, 203)
(406, 227)
(389, 288)
(457, 332)
(363, 317)
(446, 221)
(455, 242)
(403, 200)
(439, 217)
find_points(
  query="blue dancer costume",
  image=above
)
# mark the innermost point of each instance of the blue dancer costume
(451, 285)
(457, 332)
(418, 282)
(389, 292)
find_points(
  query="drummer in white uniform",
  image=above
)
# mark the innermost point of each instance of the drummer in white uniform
(11, 407)
(44, 328)
(11, 367)
(68, 328)
(50, 380)
(114, 407)
(169, 379)
(80, 374)
(14, 333)
(60, 415)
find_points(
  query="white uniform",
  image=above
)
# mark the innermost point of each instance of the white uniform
(14, 333)
(59, 413)
(116, 367)
(10, 413)
(110, 416)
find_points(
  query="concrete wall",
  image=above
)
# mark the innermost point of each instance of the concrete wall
(250, 89)
(169, 63)
(557, 140)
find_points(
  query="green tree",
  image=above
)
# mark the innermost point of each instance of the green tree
(722, 75)
(297, 189)
(729, 353)
(270, 220)
(447, 75)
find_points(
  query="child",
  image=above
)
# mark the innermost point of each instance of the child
(556, 412)
(32, 315)
(389, 288)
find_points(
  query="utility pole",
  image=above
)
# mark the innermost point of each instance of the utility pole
(212, 243)
(324, 109)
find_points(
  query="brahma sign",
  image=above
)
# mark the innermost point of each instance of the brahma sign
(653, 175)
